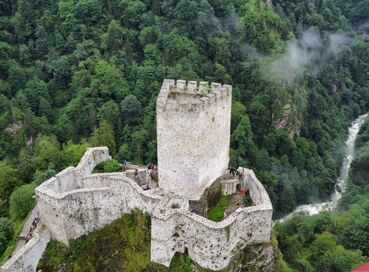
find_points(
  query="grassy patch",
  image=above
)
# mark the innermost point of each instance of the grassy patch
(217, 213)
(179, 263)
(121, 246)
(228, 231)
(124, 245)
(55, 254)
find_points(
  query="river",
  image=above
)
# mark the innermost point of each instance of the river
(341, 184)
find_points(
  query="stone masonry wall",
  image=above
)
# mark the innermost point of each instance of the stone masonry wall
(91, 158)
(75, 202)
(193, 134)
(212, 245)
(72, 205)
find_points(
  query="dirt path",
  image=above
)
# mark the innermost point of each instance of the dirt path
(27, 225)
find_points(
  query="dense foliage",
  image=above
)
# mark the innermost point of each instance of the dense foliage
(6, 233)
(333, 241)
(75, 73)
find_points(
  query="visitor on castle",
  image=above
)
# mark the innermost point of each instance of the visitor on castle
(152, 171)
(30, 233)
(232, 170)
(34, 223)
(37, 216)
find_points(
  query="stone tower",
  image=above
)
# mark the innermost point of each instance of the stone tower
(193, 134)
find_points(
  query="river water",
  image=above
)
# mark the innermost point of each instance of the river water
(341, 184)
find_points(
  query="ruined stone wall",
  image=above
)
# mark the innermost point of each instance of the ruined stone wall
(77, 212)
(26, 259)
(211, 195)
(72, 204)
(210, 244)
(91, 158)
(193, 134)
(257, 191)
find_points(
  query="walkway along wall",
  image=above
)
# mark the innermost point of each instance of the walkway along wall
(27, 258)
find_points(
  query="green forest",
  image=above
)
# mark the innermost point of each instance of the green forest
(333, 241)
(80, 73)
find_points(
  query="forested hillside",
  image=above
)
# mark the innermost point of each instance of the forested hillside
(333, 241)
(76, 73)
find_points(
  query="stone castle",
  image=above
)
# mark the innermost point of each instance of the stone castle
(193, 135)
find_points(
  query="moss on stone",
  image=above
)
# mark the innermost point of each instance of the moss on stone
(228, 231)
(217, 213)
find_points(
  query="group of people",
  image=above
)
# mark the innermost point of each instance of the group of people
(125, 162)
(234, 172)
(35, 222)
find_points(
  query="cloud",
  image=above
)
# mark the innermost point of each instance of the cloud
(336, 41)
(308, 52)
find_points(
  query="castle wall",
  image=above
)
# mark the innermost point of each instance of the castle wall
(230, 187)
(50, 207)
(77, 212)
(27, 258)
(99, 199)
(72, 205)
(139, 175)
(193, 134)
(211, 244)
(92, 157)
(65, 180)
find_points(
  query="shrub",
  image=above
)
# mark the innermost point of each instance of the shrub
(41, 176)
(6, 233)
(108, 167)
(22, 202)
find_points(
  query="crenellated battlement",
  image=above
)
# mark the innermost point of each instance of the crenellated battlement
(187, 113)
(191, 96)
